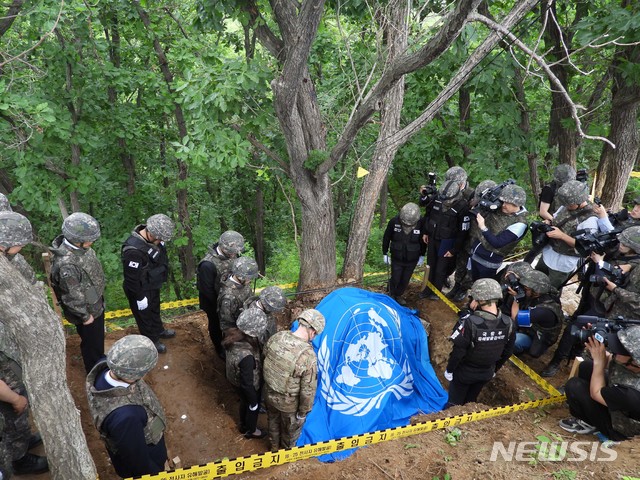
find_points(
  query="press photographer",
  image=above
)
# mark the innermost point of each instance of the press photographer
(605, 396)
(609, 288)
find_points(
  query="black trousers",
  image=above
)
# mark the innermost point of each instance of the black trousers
(248, 418)
(400, 275)
(439, 267)
(461, 393)
(582, 406)
(210, 307)
(148, 320)
(92, 342)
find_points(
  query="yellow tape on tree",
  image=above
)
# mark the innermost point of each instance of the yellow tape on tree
(251, 463)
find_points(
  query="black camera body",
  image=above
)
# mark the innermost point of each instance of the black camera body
(599, 327)
(539, 233)
(511, 281)
(588, 242)
(610, 272)
(430, 188)
(582, 175)
(490, 198)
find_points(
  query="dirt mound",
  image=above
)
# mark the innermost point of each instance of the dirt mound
(201, 407)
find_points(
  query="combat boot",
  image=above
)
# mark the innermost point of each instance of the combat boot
(161, 347)
(551, 369)
(30, 464)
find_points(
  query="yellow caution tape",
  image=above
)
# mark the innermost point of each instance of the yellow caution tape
(251, 463)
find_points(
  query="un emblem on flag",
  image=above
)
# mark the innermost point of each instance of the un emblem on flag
(364, 360)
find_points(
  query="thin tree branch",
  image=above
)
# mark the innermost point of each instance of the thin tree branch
(263, 148)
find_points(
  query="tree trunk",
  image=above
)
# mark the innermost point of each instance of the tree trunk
(396, 29)
(40, 338)
(185, 253)
(384, 200)
(616, 164)
(464, 111)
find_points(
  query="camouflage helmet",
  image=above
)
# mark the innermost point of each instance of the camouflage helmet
(5, 206)
(630, 339)
(631, 238)
(482, 186)
(314, 318)
(514, 194)
(519, 268)
(536, 281)
(273, 299)
(15, 230)
(573, 193)
(161, 227)
(485, 289)
(636, 201)
(252, 321)
(132, 357)
(231, 242)
(245, 268)
(80, 227)
(449, 189)
(457, 174)
(410, 214)
(564, 173)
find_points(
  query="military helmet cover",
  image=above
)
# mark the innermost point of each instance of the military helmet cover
(573, 193)
(231, 242)
(449, 189)
(519, 268)
(161, 227)
(410, 214)
(564, 173)
(15, 230)
(5, 206)
(631, 238)
(273, 299)
(252, 321)
(485, 289)
(132, 357)
(314, 318)
(457, 174)
(630, 339)
(536, 281)
(245, 267)
(514, 194)
(80, 227)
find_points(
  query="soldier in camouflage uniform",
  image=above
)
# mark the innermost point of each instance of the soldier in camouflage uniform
(216, 264)
(559, 258)
(125, 410)
(605, 396)
(78, 281)
(290, 376)
(15, 232)
(548, 202)
(271, 300)
(146, 267)
(482, 342)
(539, 315)
(235, 290)
(244, 367)
(404, 238)
(499, 233)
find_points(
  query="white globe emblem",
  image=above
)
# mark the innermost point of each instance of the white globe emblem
(367, 369)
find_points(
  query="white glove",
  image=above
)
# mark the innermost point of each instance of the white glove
(420, 261)
(448, 375)
(142, 304)
(385, 259)
(300, 418)
(253, 408)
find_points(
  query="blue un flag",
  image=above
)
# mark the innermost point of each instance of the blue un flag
(374, 370)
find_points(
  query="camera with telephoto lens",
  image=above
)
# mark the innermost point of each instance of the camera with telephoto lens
(490, 198)
(539, 233)
(610, 272)
(601, 243)
(582, 175)
(511, 281)
(598, 327)
(430, 188)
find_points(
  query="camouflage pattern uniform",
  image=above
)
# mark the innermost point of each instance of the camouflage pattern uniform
(16, 429)
(621, 376)
(290, 374)
(270, 300)
(5, 206)
(235, 290)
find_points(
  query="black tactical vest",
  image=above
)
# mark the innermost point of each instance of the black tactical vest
(443, 222)
(489, 335)
(405, 247)
(156, 271)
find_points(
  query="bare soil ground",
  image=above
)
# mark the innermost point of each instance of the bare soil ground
(201, 407)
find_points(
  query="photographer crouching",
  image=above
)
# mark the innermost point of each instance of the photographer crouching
(538, 314)
(605, 396)
(612, 289)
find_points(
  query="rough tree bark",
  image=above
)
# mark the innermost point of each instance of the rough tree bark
(185, 253)
(38, 332)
